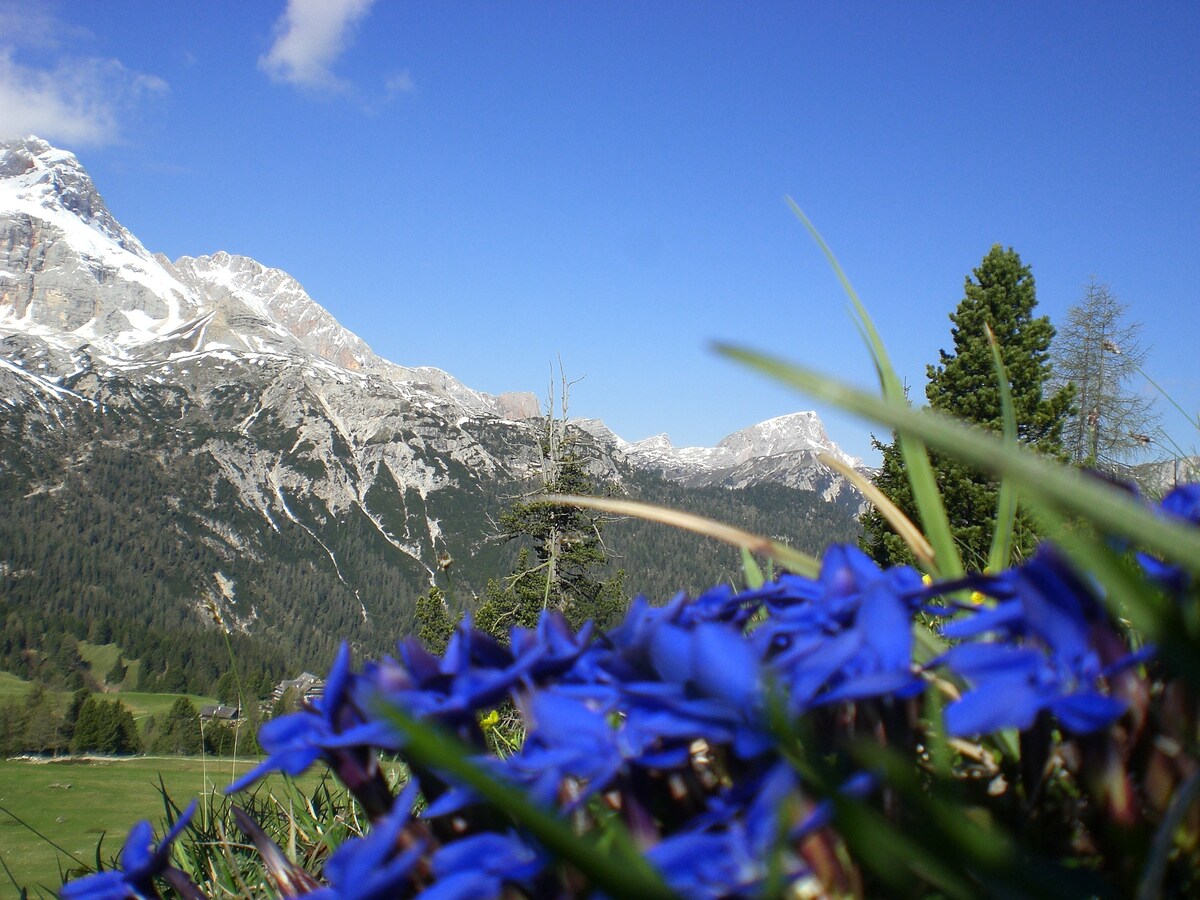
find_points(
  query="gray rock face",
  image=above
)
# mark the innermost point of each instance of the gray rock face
(287, 435)
(783, 450)
(230, 363)
(63, 182)
(1157, 479)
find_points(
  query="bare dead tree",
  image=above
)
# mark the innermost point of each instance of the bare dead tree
(1099, 351)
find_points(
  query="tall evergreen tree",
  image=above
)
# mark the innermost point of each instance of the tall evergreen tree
(104, 727)
(1000, 295)
(434, 622)
(177, 731)
(226, 688)
(78, 699)
(117, 673)
(561, 570)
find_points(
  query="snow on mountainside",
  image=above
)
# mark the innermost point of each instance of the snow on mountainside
(782, 450)
(797, 432)
(208, 416)
(67, 266)
(71, 274)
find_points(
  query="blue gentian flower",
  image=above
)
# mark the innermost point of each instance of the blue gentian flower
(377, 866)
(1011, 685)
(549, 650)
(714, 673)
(479, 867)
(1182, 503)
(846, 635)
(570, 740)
(141, 862)
(723, 863)
(858, 786)
(475, 674)
(1043, 655)
(332, 728)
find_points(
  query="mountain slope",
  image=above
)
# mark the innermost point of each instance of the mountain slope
(192, 443)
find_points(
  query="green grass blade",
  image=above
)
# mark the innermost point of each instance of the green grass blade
(1111, 509)
(617, 869)
(21, 892)
(1194, 421)
(1000, 554)
(751, 571)
(791, 559)
(900, 523)
(1151, 885)
(56, 846)
(926, 495)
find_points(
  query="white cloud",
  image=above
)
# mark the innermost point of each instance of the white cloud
(399, 83)
(27, 25)
(79, 102)
(309, 37)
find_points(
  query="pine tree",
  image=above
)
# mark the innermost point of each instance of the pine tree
(128, 740)
(105, 728)
(78, 699)
(434, 622)
(561, 570)
(178, 730)
(226, 689)
(88, 735)
(999, 295)
(117, 673)
(43, 722)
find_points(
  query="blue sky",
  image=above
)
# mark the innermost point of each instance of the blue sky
(487, 187)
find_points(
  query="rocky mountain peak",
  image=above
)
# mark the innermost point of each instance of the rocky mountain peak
(271, 299)
(657, 443)
(38, 173)
(219, 424)
(783, 450)
(792, 433)
(71, 275)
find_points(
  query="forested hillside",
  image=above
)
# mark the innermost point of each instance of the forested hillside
(112, 550)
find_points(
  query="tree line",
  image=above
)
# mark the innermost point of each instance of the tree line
(40, 723)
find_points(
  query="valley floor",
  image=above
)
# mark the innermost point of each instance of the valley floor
(53, 808)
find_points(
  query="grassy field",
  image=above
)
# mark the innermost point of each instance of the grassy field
(12, 687)
(72, 802)
(142, 704)
(100, 659)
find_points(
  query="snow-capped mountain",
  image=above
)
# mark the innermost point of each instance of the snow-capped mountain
(208, 412)
(73, 276)
(783, 450)
(225, 368)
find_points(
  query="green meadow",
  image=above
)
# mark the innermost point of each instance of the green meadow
(12, 687)
(144, 705)
(73, 803)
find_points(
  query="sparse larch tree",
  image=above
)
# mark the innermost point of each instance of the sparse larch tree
(561, 570)
(1100, 352)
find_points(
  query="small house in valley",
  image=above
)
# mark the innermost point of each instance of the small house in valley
(305, 687)
(219, 713)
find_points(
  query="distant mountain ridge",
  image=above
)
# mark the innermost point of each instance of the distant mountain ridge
(123, 302)
(783, 450)
(208, 413)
